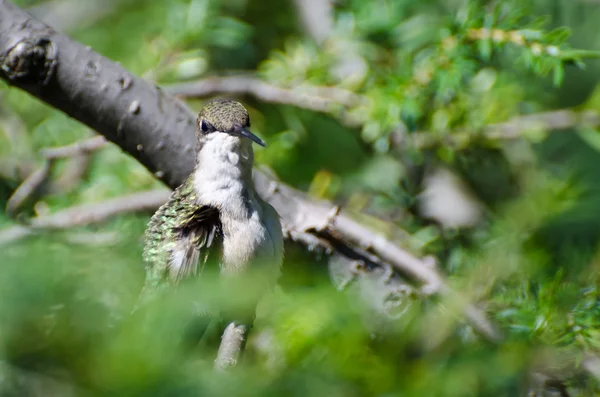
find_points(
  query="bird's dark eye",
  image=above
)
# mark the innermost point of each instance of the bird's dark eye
(206, 127)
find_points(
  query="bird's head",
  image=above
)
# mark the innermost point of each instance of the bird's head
(224, 116)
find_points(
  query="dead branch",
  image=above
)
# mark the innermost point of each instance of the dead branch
(317, 99)
(84, 214)
(75, 170)
(78, 148)
(554, 120)
(15, 169)
(79, 151)
(331, 99)
(231, 347)
(28, 188)
(14, 233)
(67, 15)
(316, 17)
(158, 130)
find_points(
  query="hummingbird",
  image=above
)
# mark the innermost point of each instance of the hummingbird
(216, 212)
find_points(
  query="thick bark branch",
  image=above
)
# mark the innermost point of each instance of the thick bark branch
(158, 130)
(151, 126)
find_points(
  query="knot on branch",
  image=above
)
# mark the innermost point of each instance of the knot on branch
(31, 60)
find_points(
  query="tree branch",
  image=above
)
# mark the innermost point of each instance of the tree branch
(231, 347)
(78, 151)
(67, 15)
(85, 146)
(512, 129)
(147, 124)
(30, 185)
(317, 99)
(316, 17)
(81, 215)
(331, 100)
(158, 130)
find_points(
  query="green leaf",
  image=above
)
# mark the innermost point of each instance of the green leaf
(485, 49)
(558, 36)
(591, 137)
(578, 54)
(446, 154)
(559, 74)
(424, 237)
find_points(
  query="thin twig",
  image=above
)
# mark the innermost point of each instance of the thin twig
(318, 99)
(70, 177)
(84, 214)
(68, 15)
(15, 169)
(14, 233)
(512, 129)
(316, 17)
(328, 99)
(28, 188)
(79, 151)
(84, 146)
(232, 346)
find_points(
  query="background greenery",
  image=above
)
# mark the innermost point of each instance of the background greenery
(531, 259)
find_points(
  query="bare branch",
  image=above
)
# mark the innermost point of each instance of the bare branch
(84, 214)
(318, 99)
(76, 169)
(512, 129)
(14, 233)
(232, 345)
(32, 184)
(78, 148)
(331, 99)
(28, 188)
(15, 169)
(67, 15)
(81, 215)
(316, 17)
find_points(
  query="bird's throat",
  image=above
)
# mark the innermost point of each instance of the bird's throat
(223, 176)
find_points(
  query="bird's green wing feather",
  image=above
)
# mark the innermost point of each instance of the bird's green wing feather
(178, 238)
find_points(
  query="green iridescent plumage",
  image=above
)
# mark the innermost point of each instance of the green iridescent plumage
(180, 221)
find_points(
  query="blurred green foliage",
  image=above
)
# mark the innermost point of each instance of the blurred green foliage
(531, 261)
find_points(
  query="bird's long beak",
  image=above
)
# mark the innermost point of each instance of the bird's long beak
(247, 134)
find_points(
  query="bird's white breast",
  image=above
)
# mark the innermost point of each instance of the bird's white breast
(251, 228)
